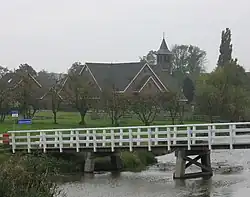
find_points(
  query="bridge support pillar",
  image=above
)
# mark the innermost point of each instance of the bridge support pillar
(116, 161)
(89, 165)
(183, 161)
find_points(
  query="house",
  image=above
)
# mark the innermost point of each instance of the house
(132, 77)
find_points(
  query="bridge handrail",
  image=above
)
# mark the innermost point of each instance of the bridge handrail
(131, 127)
(169, 136)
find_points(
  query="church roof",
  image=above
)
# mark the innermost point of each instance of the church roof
(118, 74)
(163, 48)
(121, 74)
(167, 79)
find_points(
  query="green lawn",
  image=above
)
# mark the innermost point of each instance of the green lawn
(44, 120)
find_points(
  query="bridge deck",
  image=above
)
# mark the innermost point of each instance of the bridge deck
(169, 137)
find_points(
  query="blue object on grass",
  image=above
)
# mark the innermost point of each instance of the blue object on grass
(25, 121)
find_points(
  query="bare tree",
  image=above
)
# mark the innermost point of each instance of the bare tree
(146, 107)
(55, 99)
(115, 104)
(170, 102)
(78, 92)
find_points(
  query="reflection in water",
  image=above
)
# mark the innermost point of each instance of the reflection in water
(155, 182)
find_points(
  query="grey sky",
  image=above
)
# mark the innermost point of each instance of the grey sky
(52, 34)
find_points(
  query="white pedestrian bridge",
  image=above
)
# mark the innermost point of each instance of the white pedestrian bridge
(111, 139)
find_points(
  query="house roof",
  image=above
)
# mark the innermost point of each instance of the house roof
(163, 50)
(118, 74)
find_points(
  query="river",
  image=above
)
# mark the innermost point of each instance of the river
(231, 178)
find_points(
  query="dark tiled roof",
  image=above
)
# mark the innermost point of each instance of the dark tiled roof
(168, 80)
(118, 74)
(164, 48)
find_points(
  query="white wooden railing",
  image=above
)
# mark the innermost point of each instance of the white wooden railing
(111, 138)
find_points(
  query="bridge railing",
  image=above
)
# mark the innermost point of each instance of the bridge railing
(132, 137)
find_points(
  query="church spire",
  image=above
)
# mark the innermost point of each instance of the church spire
(164, 47)
(164, 56)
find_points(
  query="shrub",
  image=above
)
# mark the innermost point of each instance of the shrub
(137, 161)
(27, 177)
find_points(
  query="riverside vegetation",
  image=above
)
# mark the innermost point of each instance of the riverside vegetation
(31, 175)
(27, 177)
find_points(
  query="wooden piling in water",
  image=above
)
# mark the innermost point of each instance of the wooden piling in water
(183, 161)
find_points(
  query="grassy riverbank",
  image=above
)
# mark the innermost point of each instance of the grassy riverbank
(74, 163)
(44, 120)
(32, 175)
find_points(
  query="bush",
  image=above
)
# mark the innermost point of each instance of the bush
(27, 177)
(147, 158)
(137, 161)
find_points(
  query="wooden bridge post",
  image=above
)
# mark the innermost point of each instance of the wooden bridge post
(180, 164)
(182, 156)
(89, 165)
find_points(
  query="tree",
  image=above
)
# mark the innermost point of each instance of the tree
(207, 99)
(115, 104)
(26, 90)
(55, 99)
(150, 58)
(188, 89)
(75, 68)
(77, 93)
(225, 93)
(225, 48)
(188, 59)
(239, 103)
(226, 79)
(26, 68)
(5, 93)
(145, 107)
(170, 102)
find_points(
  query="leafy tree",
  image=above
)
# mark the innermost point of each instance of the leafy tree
(26, 90)
(5, 93)
(75, 68)
(146, 107)
(226, 48)
(150, 58)
(26, 68)
(188, 89)
(225, 79)
(188, 59)
(207, 100)
(239, 103)
(225, 93)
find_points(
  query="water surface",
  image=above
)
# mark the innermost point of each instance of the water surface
(231, 179)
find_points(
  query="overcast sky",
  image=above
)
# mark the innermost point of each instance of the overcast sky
(52, 34)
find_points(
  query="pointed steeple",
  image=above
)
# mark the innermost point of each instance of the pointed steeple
(164, 57)
(163, 50)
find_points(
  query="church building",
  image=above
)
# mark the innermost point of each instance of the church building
(129, 77)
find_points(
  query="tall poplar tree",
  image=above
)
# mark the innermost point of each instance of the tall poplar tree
(226, 48)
